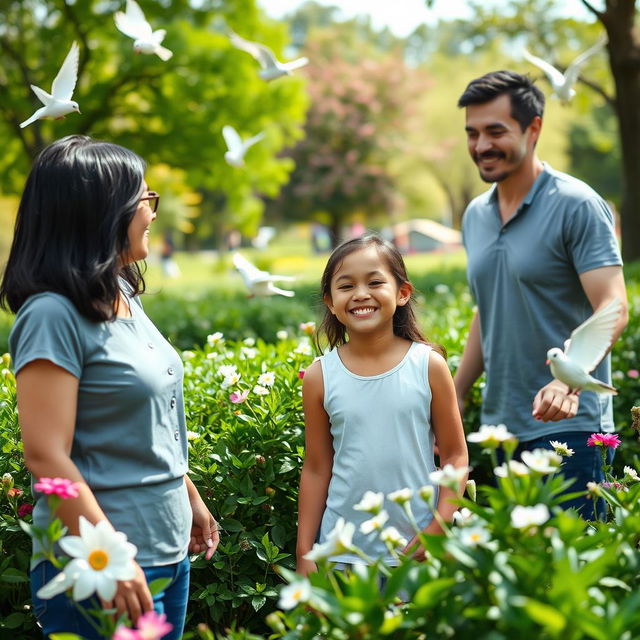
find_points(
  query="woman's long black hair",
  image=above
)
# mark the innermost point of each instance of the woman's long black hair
(405, 323)
(71, 228)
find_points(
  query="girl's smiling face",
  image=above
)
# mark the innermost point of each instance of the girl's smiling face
(364, 292)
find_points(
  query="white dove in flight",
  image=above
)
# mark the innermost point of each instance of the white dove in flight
(260, 283)
(584, 350)
(236, 146)
(58, 103)
(272, 68)
(134, 24)
(562, 83)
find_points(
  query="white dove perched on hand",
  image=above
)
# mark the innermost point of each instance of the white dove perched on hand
(272, 68)
(237, 147)
(58, 103)
(260, 283)
(133, 24)
(562, 83)
(584, 350)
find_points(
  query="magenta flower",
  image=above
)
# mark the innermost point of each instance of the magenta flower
(603, 440)
(633, 373)
(301, 373)
(153, 626)
(25, 510)
(61, 487)
(124, 633)
(239, 397)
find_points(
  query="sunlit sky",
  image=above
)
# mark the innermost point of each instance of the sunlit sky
(402, 16)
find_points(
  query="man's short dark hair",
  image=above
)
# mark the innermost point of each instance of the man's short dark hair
(527, 101)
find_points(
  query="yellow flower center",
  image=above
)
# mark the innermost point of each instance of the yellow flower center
(98, 559)
(297, 594)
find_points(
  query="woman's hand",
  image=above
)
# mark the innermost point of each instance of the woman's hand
(132, 597)
(305, 567)
(204, 530)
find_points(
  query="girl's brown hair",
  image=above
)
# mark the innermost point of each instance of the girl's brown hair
(405, 324)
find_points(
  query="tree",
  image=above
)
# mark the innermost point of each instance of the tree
(169, 112)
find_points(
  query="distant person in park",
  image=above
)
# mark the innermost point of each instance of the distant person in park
(542, 257)
(99, 389)
(373, 405)
(170, 268)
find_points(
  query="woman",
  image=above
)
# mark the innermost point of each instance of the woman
(99, 389)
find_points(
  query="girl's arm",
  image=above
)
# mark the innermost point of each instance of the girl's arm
(449, 434)
(47, 403)
(205, 534)
(316, 470)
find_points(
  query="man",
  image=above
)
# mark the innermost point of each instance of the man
(542, 257)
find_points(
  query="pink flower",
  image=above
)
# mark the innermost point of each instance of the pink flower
(124, 633)
(14, 492)
(603, 440)
(153, 626)
(301, 373)
(61, 487)
(308, 327)
(633, 373)
(24, 510)
(239, 397)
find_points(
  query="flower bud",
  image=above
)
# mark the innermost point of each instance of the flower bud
(7, 481)
(471, 489)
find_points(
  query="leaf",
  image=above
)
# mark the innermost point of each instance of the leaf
(428, 594)
(13, 621)
(545, 615)
(14, 576)
(257, 602)
(159, 585)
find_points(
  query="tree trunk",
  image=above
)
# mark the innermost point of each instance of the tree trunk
(624, 55)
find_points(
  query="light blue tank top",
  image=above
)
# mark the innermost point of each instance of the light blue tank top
(382, 441)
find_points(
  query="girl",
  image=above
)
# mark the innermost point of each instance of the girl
(99, 389)
(373, 405)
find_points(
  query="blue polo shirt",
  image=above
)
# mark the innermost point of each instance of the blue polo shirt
(129, 441)
(524, 277)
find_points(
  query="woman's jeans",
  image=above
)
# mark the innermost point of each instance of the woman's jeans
(60, 614)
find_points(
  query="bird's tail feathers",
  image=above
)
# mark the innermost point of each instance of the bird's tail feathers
(283, 292)
(163, 53)
(601, 387)
(28, 121)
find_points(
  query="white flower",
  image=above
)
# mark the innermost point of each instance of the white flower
(215, 338)
(427, 492)
(187, 355)
(267, 379)
(441, 289)
(230, 380)
(463, 517)
(474, 536)
(561, 448)
(303, 348)
(370, 502)
(227, 370)
(212, 355)
(282, 335)
(514, 468)
(490, 436)
(392, 536)
(339, 540)
(524, 517)
(542, 460)
(249, 342)
(260, 391)
(632, 473)
(101, 557)
(248, 353)
(308, 327)
(192, 435)
(449, 476)
(374, 524)
(295, 593)
(401, 496)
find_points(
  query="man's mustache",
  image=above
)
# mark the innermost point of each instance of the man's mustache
(487, 155)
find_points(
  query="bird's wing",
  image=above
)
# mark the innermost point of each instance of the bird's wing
(43, 96)
(590, 341)
(251, 141)
(260, 52)
(282, 292)
(295, 64)
(158, 35)
(571, 74)
(133, 23)
(556, 78)
(65, 82)
(249, 272)
(232, 138)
